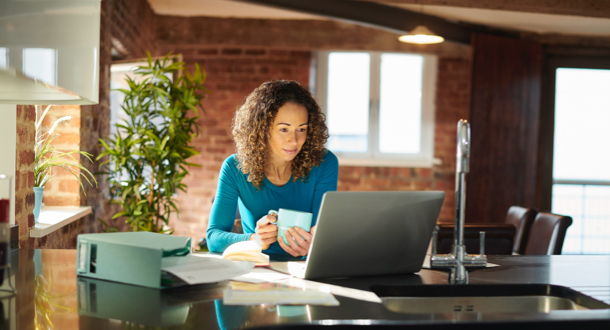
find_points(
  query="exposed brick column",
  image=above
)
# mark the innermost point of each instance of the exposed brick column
(131, 29)
(24, 173)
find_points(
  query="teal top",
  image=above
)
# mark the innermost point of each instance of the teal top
(234, 191)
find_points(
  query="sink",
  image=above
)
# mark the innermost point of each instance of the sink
(479, 298)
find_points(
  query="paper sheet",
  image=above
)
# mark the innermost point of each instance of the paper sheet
(281, 277)
(334, 289)
(197, 269)
(275, 294)
(294, 268)
(261, 275)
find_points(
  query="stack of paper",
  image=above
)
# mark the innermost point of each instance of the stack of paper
(198, 269)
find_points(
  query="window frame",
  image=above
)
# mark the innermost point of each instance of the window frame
(373, 157)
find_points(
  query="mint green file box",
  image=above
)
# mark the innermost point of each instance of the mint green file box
(131, 257)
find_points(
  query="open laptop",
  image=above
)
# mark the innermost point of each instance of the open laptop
(372, 233)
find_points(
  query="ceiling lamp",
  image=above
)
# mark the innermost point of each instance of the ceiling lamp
(421, 35)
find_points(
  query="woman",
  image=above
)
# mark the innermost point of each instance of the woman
(279, 134)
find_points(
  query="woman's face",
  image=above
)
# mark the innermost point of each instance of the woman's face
(288, 132)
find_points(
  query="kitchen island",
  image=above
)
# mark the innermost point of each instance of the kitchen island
(50, 295)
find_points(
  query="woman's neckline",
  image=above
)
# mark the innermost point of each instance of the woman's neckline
(276, 186)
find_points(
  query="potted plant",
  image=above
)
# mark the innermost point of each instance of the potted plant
(148, 156)
(48, 158)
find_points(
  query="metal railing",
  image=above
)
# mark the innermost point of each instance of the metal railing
(588, 203)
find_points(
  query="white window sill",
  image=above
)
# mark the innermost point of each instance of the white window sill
(425, 163)
(53, 218)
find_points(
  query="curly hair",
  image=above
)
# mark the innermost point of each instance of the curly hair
(253, 119)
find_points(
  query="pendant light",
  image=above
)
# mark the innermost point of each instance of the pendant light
(421, 35)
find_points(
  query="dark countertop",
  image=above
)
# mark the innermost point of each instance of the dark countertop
(50, 295)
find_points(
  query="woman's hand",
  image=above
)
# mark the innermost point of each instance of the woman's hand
(266, 230)
(299, 239)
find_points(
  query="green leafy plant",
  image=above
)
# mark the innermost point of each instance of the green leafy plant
(48, 157)
(147, 157)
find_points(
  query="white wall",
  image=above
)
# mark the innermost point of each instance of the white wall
(8, 143)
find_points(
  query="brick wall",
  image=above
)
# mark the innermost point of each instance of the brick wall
(131, 31)
(63, 188)
(194, 34)
(240, 54)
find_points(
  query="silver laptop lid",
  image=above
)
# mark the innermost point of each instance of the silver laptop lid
(372, 233)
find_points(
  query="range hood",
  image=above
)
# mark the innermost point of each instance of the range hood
(49, 51)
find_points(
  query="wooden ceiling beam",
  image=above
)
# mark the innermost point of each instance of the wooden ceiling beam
(392, 19)
(588, 8)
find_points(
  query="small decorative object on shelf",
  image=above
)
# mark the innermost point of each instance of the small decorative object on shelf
(5, 236)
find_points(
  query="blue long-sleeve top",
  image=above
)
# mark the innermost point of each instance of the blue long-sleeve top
(234, 191)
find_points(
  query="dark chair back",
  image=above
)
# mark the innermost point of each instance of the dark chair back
(237, 228)
(547, 234)
(522, 218)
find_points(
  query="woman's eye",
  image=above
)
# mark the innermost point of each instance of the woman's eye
(283, 130)
(302, 129)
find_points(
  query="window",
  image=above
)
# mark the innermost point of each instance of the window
(581, 180)
(379, 107)
(119, 72)
(118, 75)
(3, 58)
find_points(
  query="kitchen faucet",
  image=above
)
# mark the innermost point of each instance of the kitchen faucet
(458, 259)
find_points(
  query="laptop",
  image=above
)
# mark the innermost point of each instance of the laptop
(372, 233)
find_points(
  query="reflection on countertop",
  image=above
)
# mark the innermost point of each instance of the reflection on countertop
(51, 296)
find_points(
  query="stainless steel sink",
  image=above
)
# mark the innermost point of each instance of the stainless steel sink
(526, 298)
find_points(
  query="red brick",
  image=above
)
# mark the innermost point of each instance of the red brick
(18, 205)
(68, 200)
(424, 172)
(26, 157)
(207, 51)
(232, 51)
(30, 113)
(31, 179)
(67, 139)
(422, 185)
(256, 52)
(71, 186)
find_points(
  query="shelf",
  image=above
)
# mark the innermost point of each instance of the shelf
(53, 218)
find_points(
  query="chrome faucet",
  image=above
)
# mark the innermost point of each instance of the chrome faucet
(458, 259)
